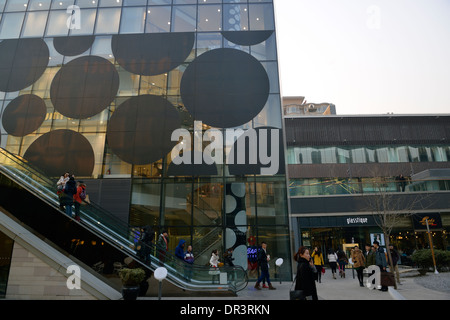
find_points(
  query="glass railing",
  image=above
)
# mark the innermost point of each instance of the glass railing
(324, 187)
(121, 235)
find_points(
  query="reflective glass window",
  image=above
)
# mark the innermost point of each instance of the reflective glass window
(158, 19)
(39, 5)
(108, 20)
(57, 23)
(235, 17)
(34, 25)
(87, 22)
(11, 25)
(209, 18)
(184, 18)
(261, 17)
(16, 5)
(133, 20)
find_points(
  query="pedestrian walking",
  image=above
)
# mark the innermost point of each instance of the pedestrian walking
(369, 255)
(342, 261)
(214, 260)
(144, 244)
(60, 187)
(359, 264)
(179, 250)
(163, 246)
(78, 198)
(263, 262)
(189, 259)
(67, 198)
(306, 274)
(332, 260)
(380, 260)
(318, 262)
(228, 257)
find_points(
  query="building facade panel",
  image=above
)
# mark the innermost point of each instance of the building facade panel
(118, 77)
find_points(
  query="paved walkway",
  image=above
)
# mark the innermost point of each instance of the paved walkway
(413, 287)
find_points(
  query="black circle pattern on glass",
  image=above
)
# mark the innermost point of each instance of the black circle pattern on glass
(23, 115)
(84, 87)
(225, 88)
(73, 46)
(139, 131)
(152, 53)
(247, 38)
(60, 151)
(22, 62)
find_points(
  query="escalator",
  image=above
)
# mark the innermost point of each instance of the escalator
(30, 196)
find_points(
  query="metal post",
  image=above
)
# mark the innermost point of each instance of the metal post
(431, 246)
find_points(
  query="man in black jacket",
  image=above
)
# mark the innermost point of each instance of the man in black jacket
(263, 262)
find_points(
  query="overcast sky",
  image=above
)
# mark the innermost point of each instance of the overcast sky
(366, 56)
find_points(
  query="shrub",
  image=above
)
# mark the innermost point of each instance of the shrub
(424, 259)
(131, 277)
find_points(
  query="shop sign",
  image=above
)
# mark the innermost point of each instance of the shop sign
(357, 220)
(420, 221)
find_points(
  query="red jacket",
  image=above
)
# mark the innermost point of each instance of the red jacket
(76, 196)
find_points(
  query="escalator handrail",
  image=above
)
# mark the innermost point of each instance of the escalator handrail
(97, 227)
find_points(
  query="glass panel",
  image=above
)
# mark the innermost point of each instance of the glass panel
(11, 25)
(110, 3)
(16, 5)
(57, 23)
(35, 24)
(133, 20)
(209, 18)
(145, 203)
(177, 204)
(39, 5)
(87, 22)
(61, 4)
(207, 200)
(158, 19)
(184, 18)
(270, 202)
(235, 17)
(108, 20)
(261, 17)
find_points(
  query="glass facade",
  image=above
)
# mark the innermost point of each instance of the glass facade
(99, 87)
(368, 154)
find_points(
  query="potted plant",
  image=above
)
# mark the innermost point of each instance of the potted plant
(131, 279)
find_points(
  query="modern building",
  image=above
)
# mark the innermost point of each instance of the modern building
(298, 106)
(338, 166)
(102, 88)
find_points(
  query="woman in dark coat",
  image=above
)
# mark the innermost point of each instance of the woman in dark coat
(67, 197)
(306, 273)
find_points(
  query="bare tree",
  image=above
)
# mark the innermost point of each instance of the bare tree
(391, 208)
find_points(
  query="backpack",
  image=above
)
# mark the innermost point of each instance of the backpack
(83, 194)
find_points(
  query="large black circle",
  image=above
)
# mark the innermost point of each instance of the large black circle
(60, 151)
(152, 53)
(73, 45)
(139, 131)
(22, 62)
(23, 115)
(225, 88)
(84, 87)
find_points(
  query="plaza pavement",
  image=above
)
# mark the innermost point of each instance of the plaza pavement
(348, 289)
